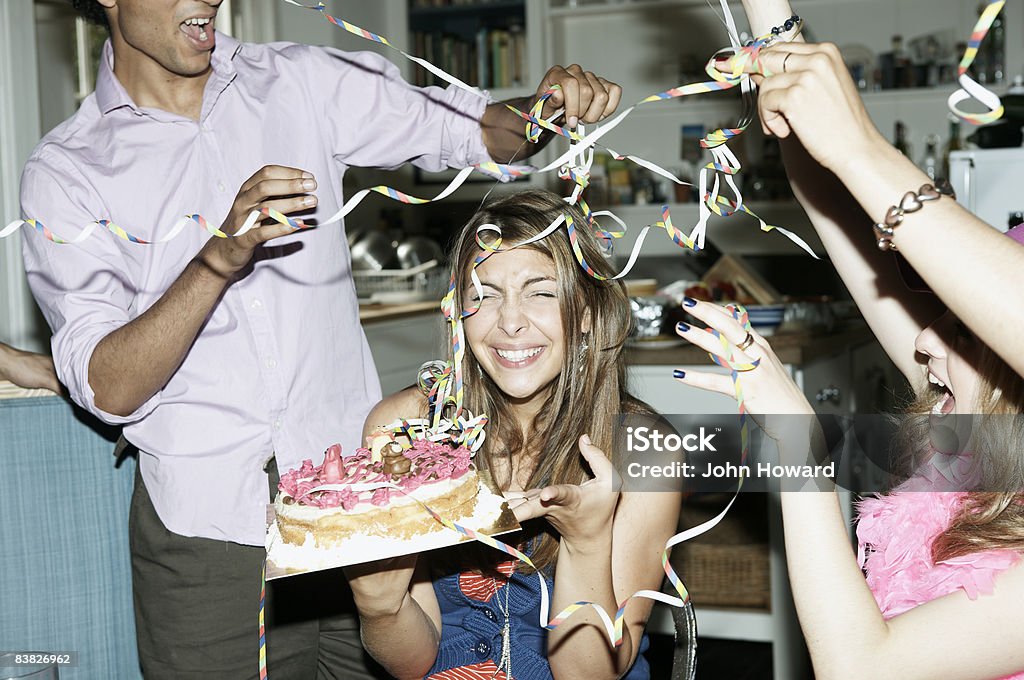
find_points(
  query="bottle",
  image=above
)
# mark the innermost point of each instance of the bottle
(952, 144)
(997, 49)
(950, 67)
(932, 50)
(979, 69)
(900, 139)
(900, 63)
(930, 161)
(989, 64)
(1013, 100)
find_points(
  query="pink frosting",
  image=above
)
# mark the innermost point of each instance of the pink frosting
(431, 463)
(896, 532)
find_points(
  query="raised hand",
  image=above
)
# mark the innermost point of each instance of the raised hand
(281, 188)
(767, 388)
(587, 98)
(582, 513)
(805, 89)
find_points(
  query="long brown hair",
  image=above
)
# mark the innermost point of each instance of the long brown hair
(590, 390)
(986, 520)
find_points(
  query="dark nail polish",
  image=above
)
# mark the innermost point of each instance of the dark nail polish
(689, 302)
(678, 373)
(682, 327)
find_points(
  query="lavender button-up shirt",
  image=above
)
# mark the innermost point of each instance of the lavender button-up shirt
(281, 367)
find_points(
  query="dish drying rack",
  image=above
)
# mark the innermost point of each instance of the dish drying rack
(427, 281)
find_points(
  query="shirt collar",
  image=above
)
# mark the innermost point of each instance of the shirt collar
(111, 95)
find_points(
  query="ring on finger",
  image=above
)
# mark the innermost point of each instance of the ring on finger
(747, 342)
(785, 59)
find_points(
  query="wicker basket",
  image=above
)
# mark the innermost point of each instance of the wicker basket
(727, 566)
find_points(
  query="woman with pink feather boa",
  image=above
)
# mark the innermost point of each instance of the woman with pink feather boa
(941, 553)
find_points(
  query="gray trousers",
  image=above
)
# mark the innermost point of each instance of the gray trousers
(197, 610)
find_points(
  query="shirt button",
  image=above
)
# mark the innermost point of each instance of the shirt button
(277, 424)
(256, 304)
(491, 615)
(220, 187)
(482, 649)
(271, 363)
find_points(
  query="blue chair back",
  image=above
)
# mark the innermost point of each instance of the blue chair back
(65, 572)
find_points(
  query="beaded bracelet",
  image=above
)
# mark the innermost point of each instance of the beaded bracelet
(911, 202)
(788, 25)
(775, 35)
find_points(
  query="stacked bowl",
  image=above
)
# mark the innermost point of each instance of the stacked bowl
(766, 318)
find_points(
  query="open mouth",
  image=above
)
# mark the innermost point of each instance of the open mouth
(946, 402)
(517, 358)
(945, 405)
(200, 31)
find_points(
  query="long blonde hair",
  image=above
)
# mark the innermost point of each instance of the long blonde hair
(987, 520)
(590, 390)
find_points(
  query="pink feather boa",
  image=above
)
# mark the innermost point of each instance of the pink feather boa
(895, 533)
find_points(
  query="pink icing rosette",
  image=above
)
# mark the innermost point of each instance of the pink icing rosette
(431, 462)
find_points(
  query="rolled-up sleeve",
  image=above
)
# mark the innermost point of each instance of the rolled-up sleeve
(375, 118)
(83, 289)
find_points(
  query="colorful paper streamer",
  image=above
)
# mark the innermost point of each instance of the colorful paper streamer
(969, 88)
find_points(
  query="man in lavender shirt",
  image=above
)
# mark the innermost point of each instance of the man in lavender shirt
(228, 358)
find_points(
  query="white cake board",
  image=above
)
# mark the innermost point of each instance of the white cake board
(491, 517)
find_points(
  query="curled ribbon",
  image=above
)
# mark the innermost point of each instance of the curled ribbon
(968, 86)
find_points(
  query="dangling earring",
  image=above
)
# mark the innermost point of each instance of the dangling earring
(583, 353)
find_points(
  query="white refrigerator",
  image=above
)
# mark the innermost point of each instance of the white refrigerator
(989, 183)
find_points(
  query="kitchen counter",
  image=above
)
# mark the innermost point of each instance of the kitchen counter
(791, 348)
(371, 313)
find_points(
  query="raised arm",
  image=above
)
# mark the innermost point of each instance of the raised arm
(586, 98)
(134, 362)
(387, 122)
(113, 364)
(965, 261)
(895, 314)
(952, 637)
(399, 618)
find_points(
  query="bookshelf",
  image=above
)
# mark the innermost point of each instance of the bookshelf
(484, 43)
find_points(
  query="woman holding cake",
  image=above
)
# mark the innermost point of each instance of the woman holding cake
(544, 362)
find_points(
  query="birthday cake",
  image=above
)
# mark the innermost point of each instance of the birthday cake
(325, 505)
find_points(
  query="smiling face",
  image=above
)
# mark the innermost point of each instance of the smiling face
(954, 355)
(517, 335)
(170, 37)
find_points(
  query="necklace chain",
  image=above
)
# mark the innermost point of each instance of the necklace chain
(505, 663)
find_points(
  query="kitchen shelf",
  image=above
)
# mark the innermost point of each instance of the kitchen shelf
(739, 234)
(477, 9)
(625, 6)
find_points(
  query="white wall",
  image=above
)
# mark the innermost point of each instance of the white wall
(19, 130)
